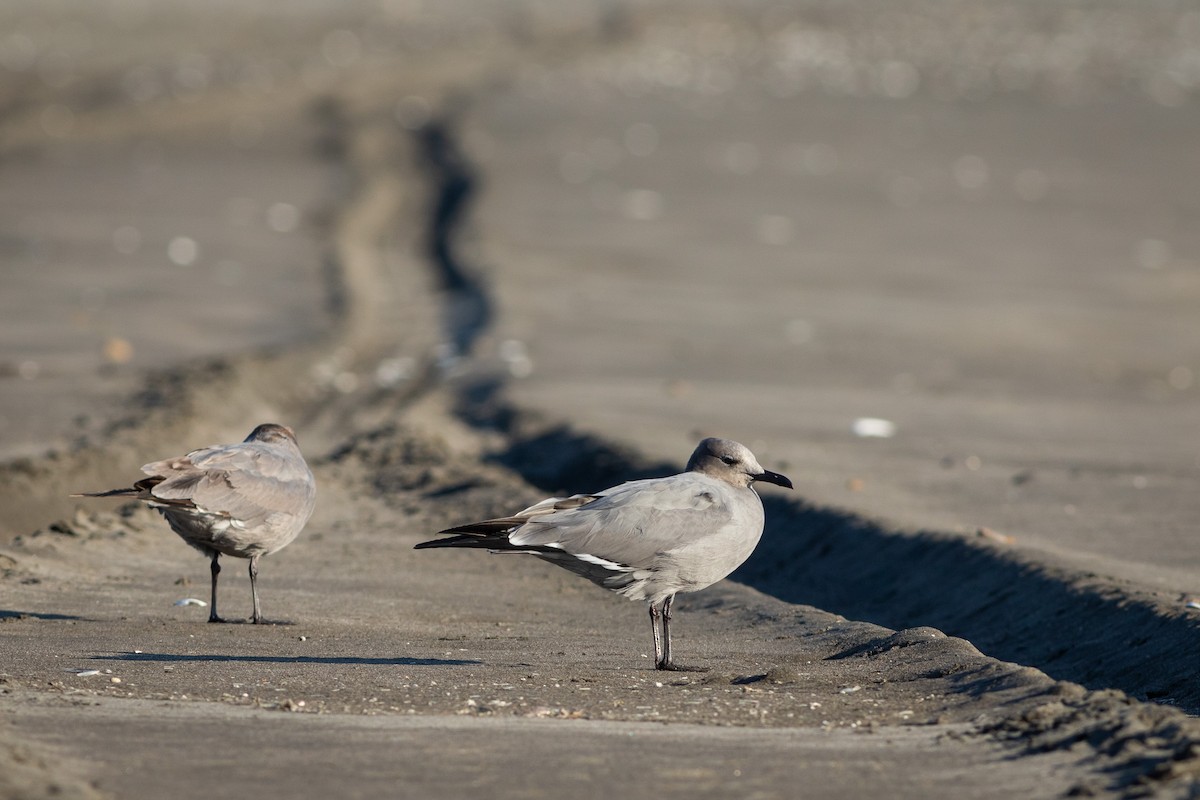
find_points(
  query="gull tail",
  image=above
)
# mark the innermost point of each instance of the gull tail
(130, 492)
(461, 541)
(491, 534)
(140, 490)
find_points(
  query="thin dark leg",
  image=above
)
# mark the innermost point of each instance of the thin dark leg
(667, 663)
(664, 660)
(212, 606)
(257, 618)
(655, 615)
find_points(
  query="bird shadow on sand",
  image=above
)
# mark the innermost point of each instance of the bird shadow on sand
(7, 614)
(265, 623)
(356, 660)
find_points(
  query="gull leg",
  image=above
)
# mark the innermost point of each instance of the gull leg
(257, 618)
(212, 606)
(667, 663)
(655, 615)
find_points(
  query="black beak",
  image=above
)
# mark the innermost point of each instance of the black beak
(773, 477)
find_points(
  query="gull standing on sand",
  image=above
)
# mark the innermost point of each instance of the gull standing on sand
(646, 540)
(243, 500)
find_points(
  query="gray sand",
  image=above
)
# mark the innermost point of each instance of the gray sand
(1028, 364)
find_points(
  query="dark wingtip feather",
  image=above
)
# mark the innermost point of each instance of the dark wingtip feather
(432, 543)
(489, 527)
(465, 540)
(139, 489)
(490, 534)
(130, 492)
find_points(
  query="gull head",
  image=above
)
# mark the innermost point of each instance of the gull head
(733, 463)
(271, 433)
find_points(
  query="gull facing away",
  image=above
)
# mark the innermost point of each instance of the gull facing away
(243, 500)
(646, 540)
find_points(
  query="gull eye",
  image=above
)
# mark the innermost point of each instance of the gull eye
(730, 460)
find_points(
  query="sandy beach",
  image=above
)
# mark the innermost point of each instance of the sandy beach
(939, 267)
